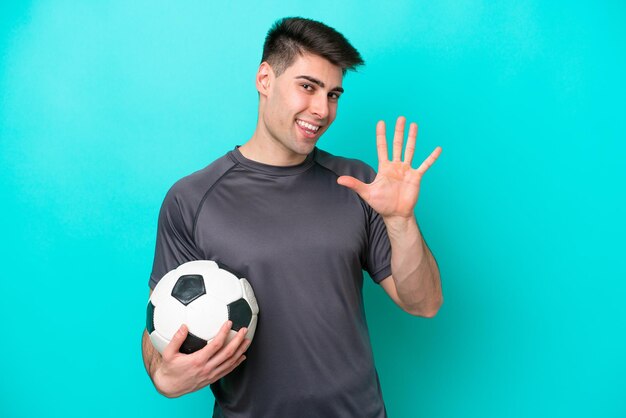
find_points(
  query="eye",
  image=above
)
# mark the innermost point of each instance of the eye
(333, 96)
(307, 87)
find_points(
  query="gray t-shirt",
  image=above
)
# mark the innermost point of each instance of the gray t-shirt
(302, 241)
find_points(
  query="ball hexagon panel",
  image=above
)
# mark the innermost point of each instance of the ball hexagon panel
(158, 341)
(248, 295)
(196, 267)
(224, 285)
(251, 328)
(165, 286)
(205, 316)
(169, 314)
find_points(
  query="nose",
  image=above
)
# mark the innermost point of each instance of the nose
(319, 105)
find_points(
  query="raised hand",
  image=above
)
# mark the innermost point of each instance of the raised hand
(394, 191)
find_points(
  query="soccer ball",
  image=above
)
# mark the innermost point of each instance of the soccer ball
(202, 296)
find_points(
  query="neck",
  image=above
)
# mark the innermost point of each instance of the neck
(263, 148)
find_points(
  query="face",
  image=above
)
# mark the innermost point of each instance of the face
(300, 105)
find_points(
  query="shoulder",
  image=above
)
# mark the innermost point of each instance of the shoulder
(188, 192)
(342, 166)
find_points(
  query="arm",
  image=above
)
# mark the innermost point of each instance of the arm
(175, 374)
(414, 284)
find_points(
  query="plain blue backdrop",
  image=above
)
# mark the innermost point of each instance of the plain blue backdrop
(103, 105)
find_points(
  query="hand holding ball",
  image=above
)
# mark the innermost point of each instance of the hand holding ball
(202, 296)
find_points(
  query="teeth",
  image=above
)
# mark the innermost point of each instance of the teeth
(307, 125)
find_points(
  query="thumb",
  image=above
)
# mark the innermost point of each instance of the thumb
(177, 340)
(354, 184)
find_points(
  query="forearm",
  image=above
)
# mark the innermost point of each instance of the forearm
(413, 268)
(152, 361)
(151, 357)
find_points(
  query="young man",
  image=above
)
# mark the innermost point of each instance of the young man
(301, 225)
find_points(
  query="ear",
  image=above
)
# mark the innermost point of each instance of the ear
(264, 78)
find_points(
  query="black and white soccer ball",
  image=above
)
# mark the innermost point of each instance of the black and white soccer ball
(202, 296)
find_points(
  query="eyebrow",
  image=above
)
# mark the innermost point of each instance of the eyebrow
(319, 82)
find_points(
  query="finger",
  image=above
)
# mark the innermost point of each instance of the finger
(243, 347)
(227, 365)
(354, 184)
(216, 343)
(428, 162)
(225, 368)
(228, 350)
(381, 141)
(174, 345)
(398, 139)
(410, 143)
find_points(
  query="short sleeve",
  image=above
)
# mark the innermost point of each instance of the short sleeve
(174, 241)
(378, 257)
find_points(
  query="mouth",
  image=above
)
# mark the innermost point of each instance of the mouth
(309, 129)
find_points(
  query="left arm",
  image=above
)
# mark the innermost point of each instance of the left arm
(414, 284)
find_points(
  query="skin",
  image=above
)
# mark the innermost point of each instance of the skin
(308, 91)
(415, 283)
(278, 140)
(175, 374)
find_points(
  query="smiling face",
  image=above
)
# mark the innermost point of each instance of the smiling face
(297, 107)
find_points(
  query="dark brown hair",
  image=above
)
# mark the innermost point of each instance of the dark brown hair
(292, 36)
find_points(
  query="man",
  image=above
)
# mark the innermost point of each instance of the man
(301, 225)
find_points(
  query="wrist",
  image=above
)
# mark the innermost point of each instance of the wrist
(400, 225)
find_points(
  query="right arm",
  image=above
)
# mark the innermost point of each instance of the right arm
(175, 374)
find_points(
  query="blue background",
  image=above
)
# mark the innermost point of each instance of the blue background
(103, 105)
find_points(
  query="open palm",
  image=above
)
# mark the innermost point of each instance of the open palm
(395, 190)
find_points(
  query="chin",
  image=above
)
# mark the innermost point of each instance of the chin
(305, 149)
